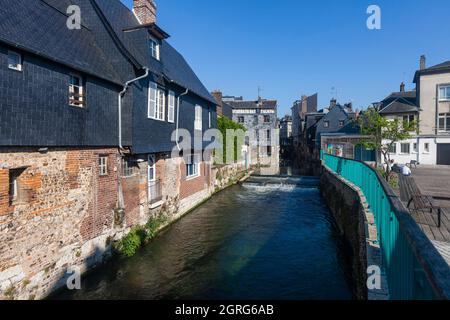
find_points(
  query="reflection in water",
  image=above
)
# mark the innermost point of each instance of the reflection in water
(245, 243)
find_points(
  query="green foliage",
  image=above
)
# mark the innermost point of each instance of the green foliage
(153, 226)
(128, 246)
(384, 133)
(234, 130)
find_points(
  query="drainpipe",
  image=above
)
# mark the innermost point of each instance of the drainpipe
(125, 88)
(178, 116)
(121, 202)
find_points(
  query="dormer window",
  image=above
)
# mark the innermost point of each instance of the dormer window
(76, 91)
(14, 61)
(154, 48)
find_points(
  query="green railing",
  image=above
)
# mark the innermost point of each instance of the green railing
(412, 264)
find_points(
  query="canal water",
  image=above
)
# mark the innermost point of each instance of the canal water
(266, 239)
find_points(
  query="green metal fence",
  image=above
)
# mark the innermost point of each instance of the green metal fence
(407, 278)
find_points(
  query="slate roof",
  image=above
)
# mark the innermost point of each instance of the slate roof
(263, 104)
(172, 65)
(399, 106)
(404, 94)
(441, 67)
(176, 69)
(399, 102)
(40, 28)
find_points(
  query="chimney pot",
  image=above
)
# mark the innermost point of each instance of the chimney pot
(145, 11)
(217, 94)
(423, 62)
(333, 103)
(402, 87)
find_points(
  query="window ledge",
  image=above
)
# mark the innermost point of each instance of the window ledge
(156, 204)
(162, 120)
(189, 178)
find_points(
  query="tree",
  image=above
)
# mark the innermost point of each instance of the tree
(383, 134)
(227, 126)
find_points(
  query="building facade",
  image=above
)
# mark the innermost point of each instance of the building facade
(260, 119)
(90, 124)
(429, 105)
(307, 104)
(286, 141)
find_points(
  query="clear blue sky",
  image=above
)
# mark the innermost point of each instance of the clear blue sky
(292, 47)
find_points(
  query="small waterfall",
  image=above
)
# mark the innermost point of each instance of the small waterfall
(282, 182)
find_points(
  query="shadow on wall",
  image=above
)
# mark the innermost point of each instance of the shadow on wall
(72, 276)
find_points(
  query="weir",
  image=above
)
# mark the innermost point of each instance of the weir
(282, 181)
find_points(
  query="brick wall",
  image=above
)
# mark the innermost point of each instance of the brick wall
(64, 219)
(190, 186)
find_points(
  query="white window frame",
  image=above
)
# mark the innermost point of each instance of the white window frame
(156, 104)
(154, 49)
(426, 147)
(395, 149)
(326, 124)
(405, 144)
(171, 108)
(444, 116)
(151, 168)
(103, 165)
(161, 105)
(414, 148)
(195, 163)
(446, 89)
(81, 101)
(209, 120)
(152, 93)
(19, 65)
(198, 122)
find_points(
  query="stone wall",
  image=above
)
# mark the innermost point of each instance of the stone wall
(225, 175)
(67, 214)
(63, 217)
(357, 227)
(348, 212)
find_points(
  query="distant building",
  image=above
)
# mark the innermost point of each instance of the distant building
(429, 104)
(286, 141)
(223, 108)
(299, 110)
(260, 119)
(338, 119)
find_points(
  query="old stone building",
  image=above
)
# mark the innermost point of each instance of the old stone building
(89, 121)
(260, 119)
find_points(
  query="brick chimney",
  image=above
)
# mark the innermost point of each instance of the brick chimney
(423, 62)
(217, 94)
(145, 11)
(402, 87)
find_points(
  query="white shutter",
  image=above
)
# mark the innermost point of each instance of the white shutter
(152, 91)
(198, 118)
(171, 115)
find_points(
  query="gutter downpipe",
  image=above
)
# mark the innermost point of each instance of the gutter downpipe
(121, 202)
(178, 117)
(125, 88)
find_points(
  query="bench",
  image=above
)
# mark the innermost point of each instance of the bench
(421, 202)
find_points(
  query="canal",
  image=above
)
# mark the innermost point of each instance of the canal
(254, 241)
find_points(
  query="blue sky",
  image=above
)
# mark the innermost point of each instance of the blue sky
(292, 47)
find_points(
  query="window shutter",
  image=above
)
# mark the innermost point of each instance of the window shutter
(198, 118)
(152, 91)
(171, 115)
